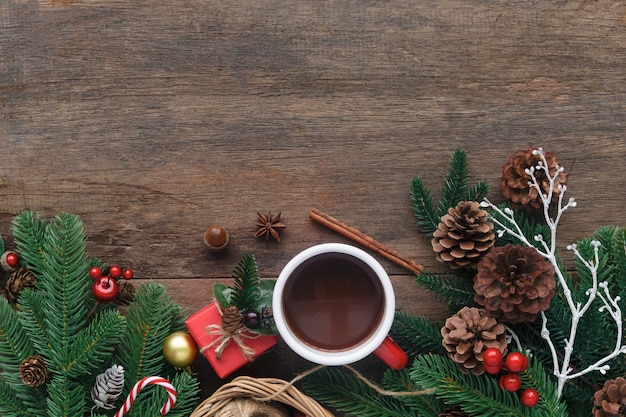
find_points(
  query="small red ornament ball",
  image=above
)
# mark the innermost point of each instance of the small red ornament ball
(128, 273)
(516, 362)
(12, 259)
(115, 271)
(95, 272)
(105, 289)
(510, 382)
(530, 397)
(492, 357)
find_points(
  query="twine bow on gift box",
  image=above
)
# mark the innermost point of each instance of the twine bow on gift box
(232, 329)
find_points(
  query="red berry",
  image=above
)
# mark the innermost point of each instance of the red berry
(12, 259)
(516, 362)
(115, 271)
(530, 397)
(95, 272)
(492, 357)
(510, 382)
(128, 273)
(493, 370)
(105, 289)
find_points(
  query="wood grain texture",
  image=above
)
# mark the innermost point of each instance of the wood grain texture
(153, 120)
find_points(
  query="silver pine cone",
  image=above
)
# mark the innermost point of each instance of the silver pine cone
(108, 387)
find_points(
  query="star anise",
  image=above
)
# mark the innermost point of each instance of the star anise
(268, 225)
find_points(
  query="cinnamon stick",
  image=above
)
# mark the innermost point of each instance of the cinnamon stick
(362, 239)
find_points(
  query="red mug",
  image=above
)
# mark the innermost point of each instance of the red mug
(334, 304)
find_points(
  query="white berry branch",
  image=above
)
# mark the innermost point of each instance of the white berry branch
(562, 369)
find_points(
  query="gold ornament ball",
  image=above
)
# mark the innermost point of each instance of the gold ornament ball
(179, 349)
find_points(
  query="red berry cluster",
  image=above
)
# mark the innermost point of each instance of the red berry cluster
(105, 286)
(510, 380)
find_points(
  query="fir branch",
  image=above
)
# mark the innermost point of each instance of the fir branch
(150, 319)
(478, 191)
(476, 395)
(423, 208)
(95, 344)
(10, 405)
(65, 397)
(64, 283)
(346, 393)
(400, 381)
(457, 290)
(416, 334)
(28, 233)
(246, 286)
(32, 315)
(455, 182)
(15, 346)
(187, 388)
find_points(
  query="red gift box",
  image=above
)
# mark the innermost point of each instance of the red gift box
(201, 326)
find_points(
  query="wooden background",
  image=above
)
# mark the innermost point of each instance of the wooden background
(154, 119)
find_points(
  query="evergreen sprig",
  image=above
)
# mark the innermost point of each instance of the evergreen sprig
(346, 393)
(481, 395)
(456, 289)
(454, 190)
(416, 334)
(59, 320)
(246, 278)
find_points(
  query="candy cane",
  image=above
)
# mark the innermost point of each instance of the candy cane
(149, 380)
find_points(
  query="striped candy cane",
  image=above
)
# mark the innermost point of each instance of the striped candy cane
(150, 380)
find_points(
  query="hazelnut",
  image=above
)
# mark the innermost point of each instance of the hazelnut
(216, 238)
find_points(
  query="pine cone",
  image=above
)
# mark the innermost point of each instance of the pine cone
(463, 236)
(33, 371)
(232, 319)
(514, 283)
(610, 401)
(108, 387)
(454, 412)
(514, 181)
(468, 333)
(126, 293)
(18, 280)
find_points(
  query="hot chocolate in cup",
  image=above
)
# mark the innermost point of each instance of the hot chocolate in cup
(334, 305)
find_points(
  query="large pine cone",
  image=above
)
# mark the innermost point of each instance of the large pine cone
(514, 181)
(610, 401)
(21, 278)
(467, 335)
(514, 283)
(33, 371)
(463, 236)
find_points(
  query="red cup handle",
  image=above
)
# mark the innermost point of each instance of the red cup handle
(392, 354)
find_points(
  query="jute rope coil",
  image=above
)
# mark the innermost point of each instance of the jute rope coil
(263, 391)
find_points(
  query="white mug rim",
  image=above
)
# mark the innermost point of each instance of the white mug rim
(342, 357)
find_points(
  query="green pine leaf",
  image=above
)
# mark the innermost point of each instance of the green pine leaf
(400, 382)
(423, 207)
(95, 344)
(246, 286)
(28, 233)
(478, 191)
(150, 318)
(454, 189)
(480, 395)
(416, 334)
(346, 393)
(457, 290)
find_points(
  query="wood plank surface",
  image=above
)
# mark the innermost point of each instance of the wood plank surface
(153, 120)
